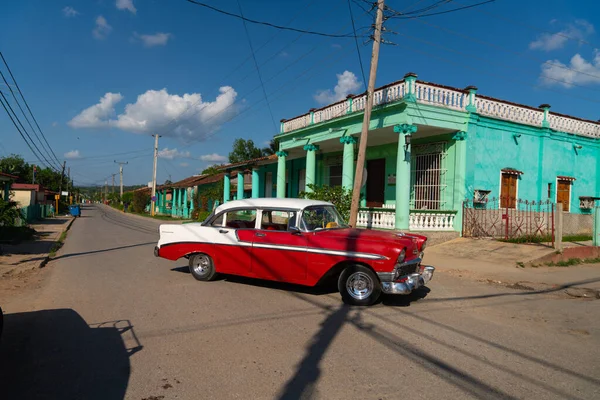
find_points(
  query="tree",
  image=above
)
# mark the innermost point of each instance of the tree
(340, 197)
(244, 150)
(272, 149)
(212, 170)
(141, 199)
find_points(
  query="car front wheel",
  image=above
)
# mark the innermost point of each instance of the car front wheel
(202, 267)
(359, 286)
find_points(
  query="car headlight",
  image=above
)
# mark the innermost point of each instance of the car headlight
(424, 244)
(401, 256)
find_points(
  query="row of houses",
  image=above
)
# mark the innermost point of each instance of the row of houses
(34, 201)
(431, 149)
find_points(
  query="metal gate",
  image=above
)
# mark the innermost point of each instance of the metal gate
(527, 221)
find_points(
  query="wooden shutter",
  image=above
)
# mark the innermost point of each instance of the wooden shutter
(508, 191)
(563, 193)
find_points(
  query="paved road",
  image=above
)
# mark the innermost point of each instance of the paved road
(113, 322)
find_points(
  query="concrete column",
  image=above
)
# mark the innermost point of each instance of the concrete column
(460, 172)
(546, 109)
(558, 226)
(192, 200)
(6, 191)
(157, 203)
(174, 203)
(226, 187)
(255, 181)
(471, 92)
(311, 165)
(181, 202)
(240, 185)
(348, 161)
(403, 176)
(185, 210)
(596, 237)
(281, 173)
(410, 89)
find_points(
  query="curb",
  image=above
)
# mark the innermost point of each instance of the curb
(47, 259)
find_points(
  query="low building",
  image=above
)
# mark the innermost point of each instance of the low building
(34, 200)
(432, 150)
(5, 181)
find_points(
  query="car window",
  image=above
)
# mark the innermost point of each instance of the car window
(218, 221)
(245, 218)
(316, 218)
(274, 220)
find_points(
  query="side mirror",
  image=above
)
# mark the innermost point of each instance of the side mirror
(295, 230)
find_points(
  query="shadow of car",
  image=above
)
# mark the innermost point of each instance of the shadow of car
(55, 354)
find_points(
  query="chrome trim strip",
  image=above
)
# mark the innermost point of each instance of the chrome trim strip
(320, 251)
(389, 276)
(413, 281)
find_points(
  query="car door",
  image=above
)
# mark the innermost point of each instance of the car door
(277, 253)
(233, 241)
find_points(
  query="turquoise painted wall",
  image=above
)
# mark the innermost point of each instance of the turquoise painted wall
(538, 153)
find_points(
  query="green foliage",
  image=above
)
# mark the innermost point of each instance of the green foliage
(202, 215)
(140, 201)
(244, 150)
(47, 177)
(340, 197)
(208, 194)
(212, 170)
(128, 197)
(9, 213)
(272, 149)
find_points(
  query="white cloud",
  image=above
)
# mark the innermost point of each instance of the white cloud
(548, 42)
(214, 157)
(187, 117)
(170, 154)
(102, 29)
(126, 5)
(55, 123)
(579, 72)
(347, 84)
(73, 154)
(184, 164)
(97, 115)
(336, 46)
(70, 12)
(158, 39)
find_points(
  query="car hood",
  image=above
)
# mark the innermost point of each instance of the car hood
(367, 234)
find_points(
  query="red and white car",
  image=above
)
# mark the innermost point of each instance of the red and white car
(298, 241)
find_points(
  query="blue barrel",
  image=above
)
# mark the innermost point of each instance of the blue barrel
(75, 210)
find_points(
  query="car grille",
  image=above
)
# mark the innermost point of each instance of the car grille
(407, 269)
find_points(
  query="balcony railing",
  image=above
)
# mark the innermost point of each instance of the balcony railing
(419, 220)
(442, 96)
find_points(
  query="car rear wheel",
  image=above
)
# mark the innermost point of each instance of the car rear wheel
(359, 286)
(202, 267)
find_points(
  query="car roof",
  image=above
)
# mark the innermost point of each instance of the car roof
(295, 204)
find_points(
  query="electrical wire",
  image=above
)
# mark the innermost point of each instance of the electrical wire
(262, 84)
(28, 108)
(18, 130)
(443, 12)
(287, 28)
(39, 153)
(362, 70)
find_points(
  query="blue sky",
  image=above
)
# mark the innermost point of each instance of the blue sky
(101, 76)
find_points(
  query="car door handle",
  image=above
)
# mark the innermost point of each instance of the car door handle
(259, 234)
(223, 231)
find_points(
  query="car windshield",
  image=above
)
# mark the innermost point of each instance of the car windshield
(324, 217)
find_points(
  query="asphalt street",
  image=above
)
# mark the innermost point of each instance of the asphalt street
(111, 321)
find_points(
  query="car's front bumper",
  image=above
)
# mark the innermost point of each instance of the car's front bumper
(408, 283)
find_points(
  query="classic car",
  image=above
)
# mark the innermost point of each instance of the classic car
(298, 241)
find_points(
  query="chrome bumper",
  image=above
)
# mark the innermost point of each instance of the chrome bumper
(408, 283)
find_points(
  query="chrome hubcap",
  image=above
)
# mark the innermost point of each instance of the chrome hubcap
(359, 285)
(201, 264)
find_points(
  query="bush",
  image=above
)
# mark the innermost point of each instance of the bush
(9, 213)
(202, 215)
(340, 197)
(140, 201)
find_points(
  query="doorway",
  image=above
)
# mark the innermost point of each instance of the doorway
(375, 182)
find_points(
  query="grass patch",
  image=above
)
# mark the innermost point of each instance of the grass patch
(58, 244)
(574, 261)
(16, 234)
(545, 239)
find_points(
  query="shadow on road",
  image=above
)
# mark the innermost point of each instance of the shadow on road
(85, 253)
(55, 354)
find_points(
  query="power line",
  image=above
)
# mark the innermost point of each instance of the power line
(287, 28)
(15, 124)
(39, 153)
(262, 84)
(362, 70)
(400, 16)
(29, 109)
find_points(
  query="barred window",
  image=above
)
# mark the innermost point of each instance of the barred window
(428, 176)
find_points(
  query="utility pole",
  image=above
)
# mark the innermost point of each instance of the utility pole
(113, 183)
(121, 176)
(362, 148)
(69, 184)
(105, 190)
(153, 202)
(62, 177)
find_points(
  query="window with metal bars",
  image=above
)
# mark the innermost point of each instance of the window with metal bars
(428, 176)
